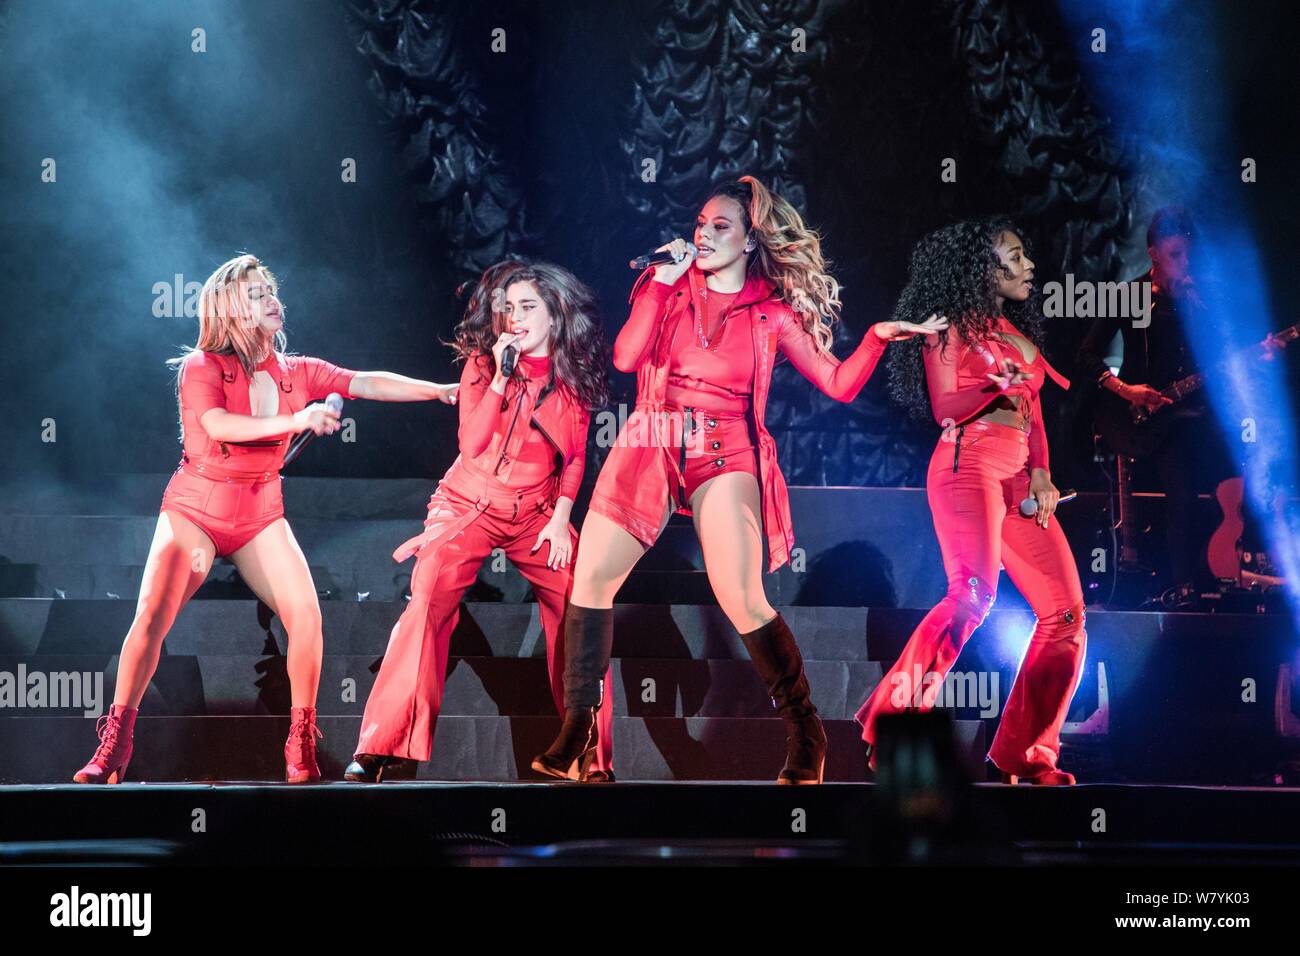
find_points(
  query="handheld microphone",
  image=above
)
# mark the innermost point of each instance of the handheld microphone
(508, 359)
(334, 402)
(1029, 507)
(641, 263)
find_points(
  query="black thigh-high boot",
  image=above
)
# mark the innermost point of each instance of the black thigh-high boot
(776, 656)
(588, 643)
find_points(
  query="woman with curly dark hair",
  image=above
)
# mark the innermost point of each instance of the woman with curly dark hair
(981, 378)
(534, 369)
(702, 337)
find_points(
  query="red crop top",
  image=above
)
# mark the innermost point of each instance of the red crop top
(727, 361)
(957, 377)
(483, 414)
(209, 380)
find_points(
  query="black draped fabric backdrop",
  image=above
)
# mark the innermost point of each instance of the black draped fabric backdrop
(544, 150)
(592, 137)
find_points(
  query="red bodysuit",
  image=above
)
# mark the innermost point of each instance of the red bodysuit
(979, 473)
(231, 490)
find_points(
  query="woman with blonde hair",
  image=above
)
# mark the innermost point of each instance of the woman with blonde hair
(241, 399)
(702, 337)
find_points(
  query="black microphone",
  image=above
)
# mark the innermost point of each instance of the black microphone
(508, 359)
(1029, 507)
(658, 258)
(334, 402)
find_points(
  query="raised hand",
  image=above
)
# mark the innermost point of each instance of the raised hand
(670, 272)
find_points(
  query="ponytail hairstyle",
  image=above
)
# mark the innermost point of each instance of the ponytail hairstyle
(954, 272)
(788, 253)
(576, 345)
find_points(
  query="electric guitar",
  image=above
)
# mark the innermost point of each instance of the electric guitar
(1136, 431)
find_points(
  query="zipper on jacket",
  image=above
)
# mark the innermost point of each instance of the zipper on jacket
(506, 444)
(956, 450)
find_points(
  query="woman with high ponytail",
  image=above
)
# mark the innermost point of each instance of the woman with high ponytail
(703, 335)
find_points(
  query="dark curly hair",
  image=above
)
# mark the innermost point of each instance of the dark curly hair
(577, 342)
(954, 272)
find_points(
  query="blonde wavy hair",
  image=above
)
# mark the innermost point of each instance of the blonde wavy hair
(788, 252)
(226, 323)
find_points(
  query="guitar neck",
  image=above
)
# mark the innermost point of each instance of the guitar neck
(1183, 387)
(1186, 386)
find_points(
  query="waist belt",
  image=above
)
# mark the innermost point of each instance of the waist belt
(217, 473)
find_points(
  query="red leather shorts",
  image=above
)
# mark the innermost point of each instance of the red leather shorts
(230, 512)
(701, 443)
(715, 443)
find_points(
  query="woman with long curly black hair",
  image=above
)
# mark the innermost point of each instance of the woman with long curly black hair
(534, 369)
(703, 335)
(981, 378)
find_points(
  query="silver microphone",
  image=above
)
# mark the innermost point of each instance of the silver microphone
(1029, 507)
(641, 263)
(334, 402)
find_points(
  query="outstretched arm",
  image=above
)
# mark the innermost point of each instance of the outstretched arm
(391, 387)
(843, 381)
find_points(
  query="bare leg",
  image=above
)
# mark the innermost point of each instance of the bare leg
(179, 560)
(606, 556)
(727, 519)
(274, 566)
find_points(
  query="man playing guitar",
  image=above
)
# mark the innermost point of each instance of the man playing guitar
(1183, 443)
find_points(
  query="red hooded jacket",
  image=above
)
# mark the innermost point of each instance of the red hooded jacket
(642, 347)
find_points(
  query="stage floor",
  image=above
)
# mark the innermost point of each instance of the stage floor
(491, 824)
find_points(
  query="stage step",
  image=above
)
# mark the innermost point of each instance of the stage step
(40, 626)
(51, 749)
(854, 546)
(230, 685)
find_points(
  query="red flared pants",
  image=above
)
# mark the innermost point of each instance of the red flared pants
(403, 707)
(975, 506)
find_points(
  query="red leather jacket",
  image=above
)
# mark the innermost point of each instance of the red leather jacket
(957, 378)
(493, 429)
(777, 330)
(487, 470)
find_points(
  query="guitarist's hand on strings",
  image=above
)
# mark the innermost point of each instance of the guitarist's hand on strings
(1143, 396)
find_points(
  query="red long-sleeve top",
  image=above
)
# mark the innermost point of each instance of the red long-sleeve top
(726, 362)
(527, 458)
(957, 377)
(841, 381)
